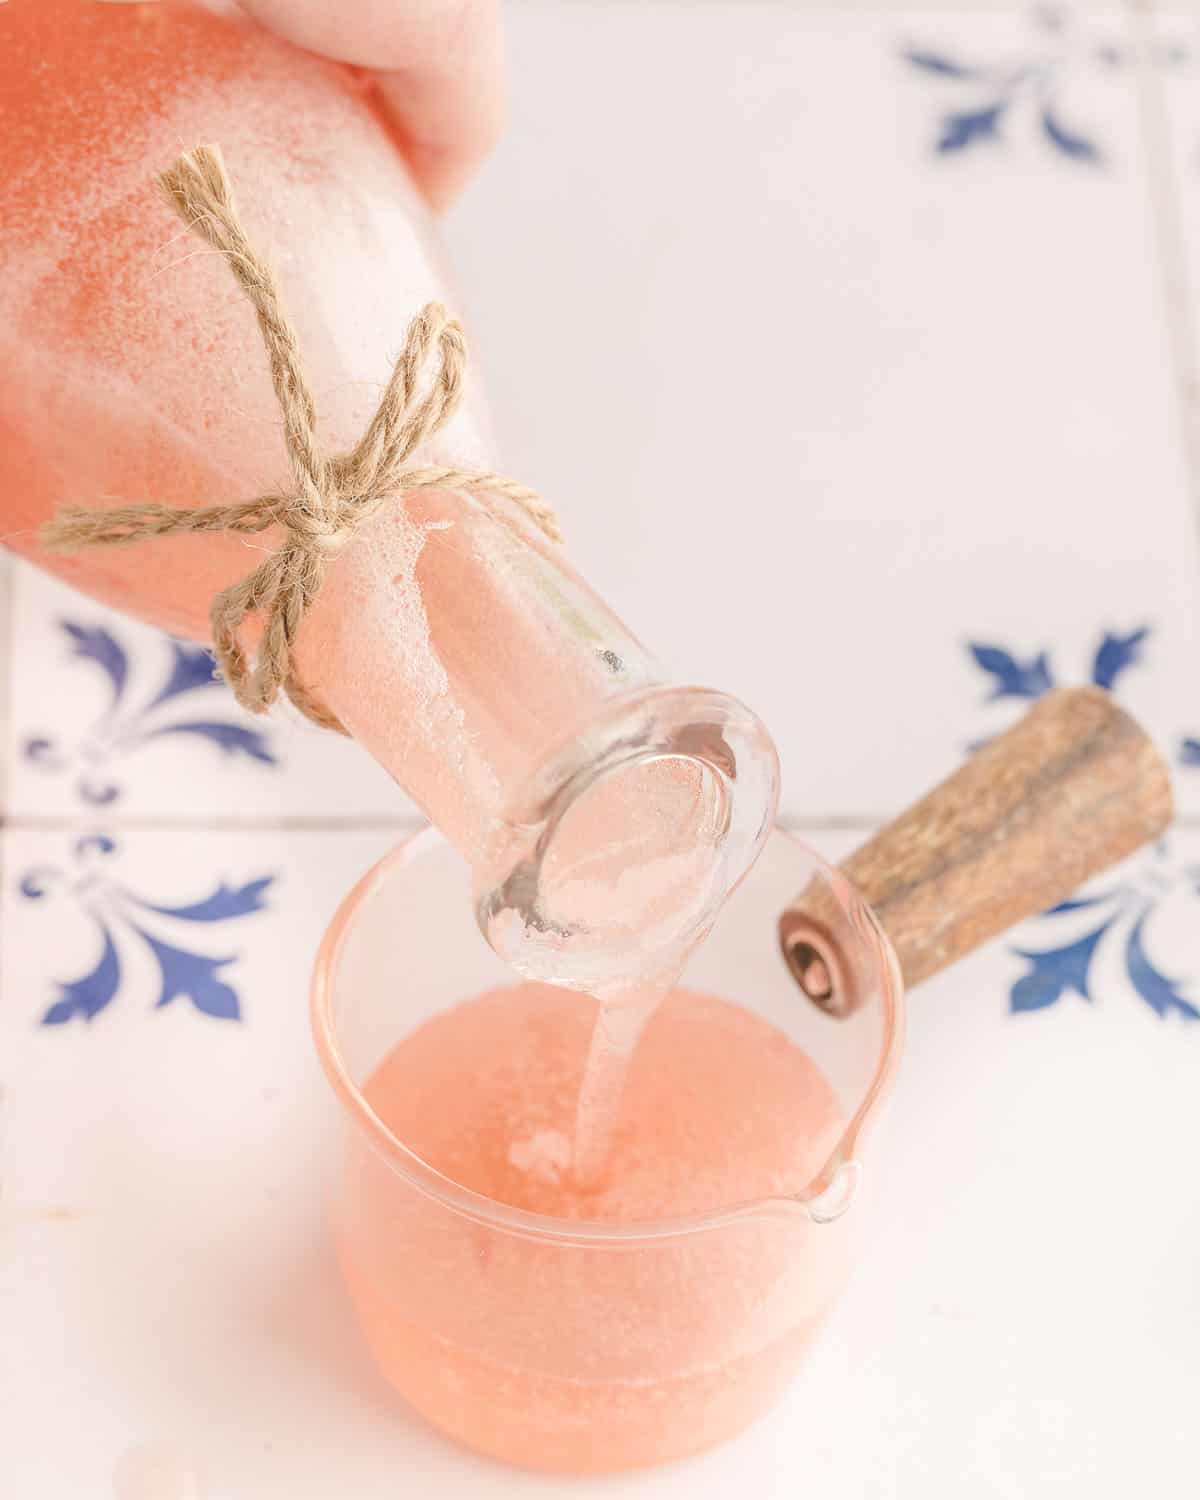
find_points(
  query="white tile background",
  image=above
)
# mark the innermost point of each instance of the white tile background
(835, 389)
(818, 407)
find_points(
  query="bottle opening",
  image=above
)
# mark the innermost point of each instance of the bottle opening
(621, 867)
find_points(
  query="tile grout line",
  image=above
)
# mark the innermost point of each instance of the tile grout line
(176, 823)
(66, 823)
(1175, 285)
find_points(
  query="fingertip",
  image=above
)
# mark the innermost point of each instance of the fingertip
(443, 151)
(440, 71)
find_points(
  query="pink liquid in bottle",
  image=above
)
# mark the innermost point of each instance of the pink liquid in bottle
(454, 642)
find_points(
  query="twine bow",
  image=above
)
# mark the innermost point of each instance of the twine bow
(332, 494)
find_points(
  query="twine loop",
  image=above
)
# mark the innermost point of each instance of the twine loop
(332, 495)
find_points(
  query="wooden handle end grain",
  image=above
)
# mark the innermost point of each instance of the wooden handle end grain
(1068, 791)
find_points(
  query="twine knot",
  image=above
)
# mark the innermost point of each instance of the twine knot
(331, 495)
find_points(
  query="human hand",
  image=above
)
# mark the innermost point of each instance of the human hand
(439, 65)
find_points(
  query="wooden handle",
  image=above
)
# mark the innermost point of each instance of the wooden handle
(1072, 788)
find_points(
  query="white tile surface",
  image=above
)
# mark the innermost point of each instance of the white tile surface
(819, 405)
(1026, 1308)
(166, 1274)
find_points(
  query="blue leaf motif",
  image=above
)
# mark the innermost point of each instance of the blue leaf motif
(192, 667)
(1081, 903)
(965, 129)
(94, 643)
(1078, 147)
(1014, 679)
(193, 976)
(1189, 752)
(101, 794)
(1054, 972)
(35, 884)
(936, 62)
(87, 997)
(42, 752)
(94, 843)
(1115, 654)
(232, 739)
(226, 902)
(1159, 992)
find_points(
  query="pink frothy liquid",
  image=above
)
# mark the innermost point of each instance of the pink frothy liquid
(605, 1354)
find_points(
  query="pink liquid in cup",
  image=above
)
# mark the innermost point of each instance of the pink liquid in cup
(638, 1310)
(685, 1343)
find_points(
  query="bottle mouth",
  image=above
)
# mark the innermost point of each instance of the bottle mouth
(614, 859)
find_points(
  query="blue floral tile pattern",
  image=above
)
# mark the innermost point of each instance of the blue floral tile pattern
(1118, 925)
(123, 917)
(106, 712)
(1016, 676)
(1120, 917)
(986, 96)
(105, 746)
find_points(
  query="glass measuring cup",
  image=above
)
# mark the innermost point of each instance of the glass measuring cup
(570, 1344)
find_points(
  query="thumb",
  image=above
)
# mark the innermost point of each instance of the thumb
(440, 67)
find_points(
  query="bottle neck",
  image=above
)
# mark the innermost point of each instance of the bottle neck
(458, 646)
(603, 812)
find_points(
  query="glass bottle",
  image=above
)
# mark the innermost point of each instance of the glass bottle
(597, 805)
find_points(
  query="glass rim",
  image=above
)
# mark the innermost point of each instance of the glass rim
(665, 720)
(835, 1182)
